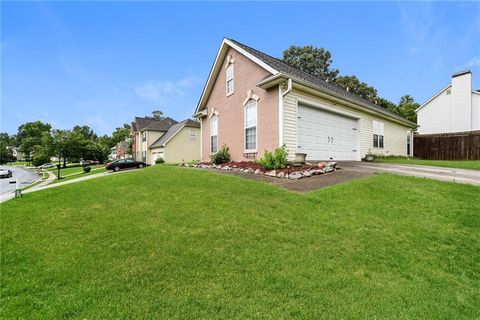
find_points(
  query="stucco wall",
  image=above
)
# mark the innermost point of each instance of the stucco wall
(231, 109)
(395, 134)
(181, 148)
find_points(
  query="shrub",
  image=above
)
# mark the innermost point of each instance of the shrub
(86, 169)
(275, 160)
(159, 160)
(222, 155)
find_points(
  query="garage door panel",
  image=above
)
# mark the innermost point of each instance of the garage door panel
(324, 135)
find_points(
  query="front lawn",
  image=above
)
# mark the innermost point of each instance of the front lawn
(167, 242)
(78, 173)
(461, 164)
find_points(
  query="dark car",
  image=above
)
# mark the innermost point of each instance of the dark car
(124, 164)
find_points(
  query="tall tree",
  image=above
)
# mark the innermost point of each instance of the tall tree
(354, 85)
(120, 134)
(157, 114)
(6, 153)
(316, 61)
(30, 135)
(407, 107)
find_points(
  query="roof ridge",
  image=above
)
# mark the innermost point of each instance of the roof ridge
(329, 85)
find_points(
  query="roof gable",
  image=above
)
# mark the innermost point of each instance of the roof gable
(173, 131)
(217, 66)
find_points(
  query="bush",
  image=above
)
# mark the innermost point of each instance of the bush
(275, 160)
(159, 160)
(222, 155)
(86, 169)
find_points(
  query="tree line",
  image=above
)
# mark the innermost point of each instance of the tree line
(318, 61)
(38, 141)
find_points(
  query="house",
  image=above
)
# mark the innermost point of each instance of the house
(455, 108)
(165, 138)
(20, 156)
(181, 143)
(120, 150)
(253, 102)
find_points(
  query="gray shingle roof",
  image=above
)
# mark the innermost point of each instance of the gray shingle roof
(147, 123)
(173, 131)
(328, 87)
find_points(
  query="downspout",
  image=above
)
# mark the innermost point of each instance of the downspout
(280, 109)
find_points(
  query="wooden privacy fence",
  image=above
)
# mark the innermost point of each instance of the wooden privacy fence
(448, 146)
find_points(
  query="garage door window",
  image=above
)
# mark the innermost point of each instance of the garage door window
(213, 134)
(378, 139)
(250, 121)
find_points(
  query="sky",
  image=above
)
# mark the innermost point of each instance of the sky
(103, 63)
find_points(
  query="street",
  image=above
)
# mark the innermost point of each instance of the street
(24, 176)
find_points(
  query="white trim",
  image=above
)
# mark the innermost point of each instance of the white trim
(221, 52)
(250, 96)
(201, 139)
(280, 116)
(229, 65)
(210, 136)
(326, 107)
(473, 91)
(436, 95)
(245, 128)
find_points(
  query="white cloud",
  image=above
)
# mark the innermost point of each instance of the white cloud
(159, 91)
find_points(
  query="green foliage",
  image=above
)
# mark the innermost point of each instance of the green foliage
(316, 61)
(87, 169)
(157, 114)
(354, 85)
(275, 160)
(6, 154)
(120, 134)
(407, 107)
(222, 155)
(159, 160)
(30, 135)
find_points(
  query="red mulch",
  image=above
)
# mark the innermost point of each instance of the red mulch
(253, 165)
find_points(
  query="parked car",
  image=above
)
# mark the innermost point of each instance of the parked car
(89, 162)
(46, 166)
(5, 173)
(124, 164)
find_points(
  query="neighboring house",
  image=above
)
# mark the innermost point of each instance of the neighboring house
(180, 143)
(455, 108)
(120, 151)
(20, 156)
(148, 145)
(253, 102)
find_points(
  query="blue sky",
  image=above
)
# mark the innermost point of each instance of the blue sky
(102, 63)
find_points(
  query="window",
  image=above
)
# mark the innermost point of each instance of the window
(144, 136)
(144, 156)
(409, 147)
(378, 134)
(192, 135)
(214, 134)
(250, 122)
(229, 79)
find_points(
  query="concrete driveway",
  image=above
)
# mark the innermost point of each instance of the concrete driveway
(437, 173)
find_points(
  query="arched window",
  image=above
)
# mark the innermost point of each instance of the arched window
(214, 134)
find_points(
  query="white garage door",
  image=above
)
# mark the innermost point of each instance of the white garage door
(324, 135)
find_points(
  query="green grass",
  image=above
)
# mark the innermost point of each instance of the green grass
(75, 174)
(167, 242)
(462, 164)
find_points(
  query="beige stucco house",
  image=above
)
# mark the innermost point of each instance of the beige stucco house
(253, 102)
(166, 138)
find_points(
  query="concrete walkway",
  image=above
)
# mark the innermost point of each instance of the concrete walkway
(44, 185)
(430, 172)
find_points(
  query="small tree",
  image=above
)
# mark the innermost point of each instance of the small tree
(157, 114)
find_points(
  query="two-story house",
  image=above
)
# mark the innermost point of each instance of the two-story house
(165, 138)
